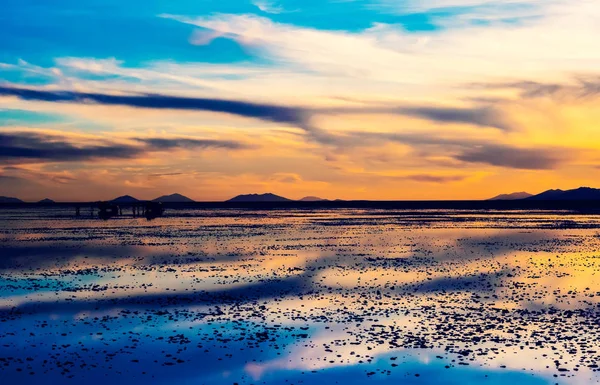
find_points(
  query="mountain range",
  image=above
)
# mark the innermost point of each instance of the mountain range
(268, 197)
(312, 199)
(581, 193)
(173, 198)
(578, 194)
(511, 197)
(125, 199)
(10, 200)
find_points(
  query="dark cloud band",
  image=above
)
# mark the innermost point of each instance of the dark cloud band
(18, 147)
(465, 150)
(478, 116)
(511, 157)
(485, 116)
(267, 112)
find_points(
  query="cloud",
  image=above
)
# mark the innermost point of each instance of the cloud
(21, 147)
(428, 178)
(165, 174)
(479, 116)
(512, 157)
(580, 88)
(268, 6)
(267, 112)
(286, 178)
(32, 175)
(560, 33)
(485, 116)
(487, 152)
(9, 177)
(186, 143)
(463, 149)
(428, 5)
(461, 13)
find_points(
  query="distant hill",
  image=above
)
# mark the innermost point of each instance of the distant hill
(173, 198)
(10, 200)
(125, 199)
(547, 195)
(268, 197)
(511, 197)
(46, 201)
(581, 193)
(312, 199)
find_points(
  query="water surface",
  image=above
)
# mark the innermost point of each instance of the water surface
(347, 296)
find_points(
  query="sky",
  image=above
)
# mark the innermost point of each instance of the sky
(348, 99)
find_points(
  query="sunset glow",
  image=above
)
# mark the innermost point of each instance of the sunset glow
(364, 99)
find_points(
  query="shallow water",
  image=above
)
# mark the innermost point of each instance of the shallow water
(300, 296)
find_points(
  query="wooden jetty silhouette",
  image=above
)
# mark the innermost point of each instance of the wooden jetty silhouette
(108, 210)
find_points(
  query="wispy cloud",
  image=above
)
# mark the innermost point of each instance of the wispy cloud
(467, 150)
(431, 178)
(34, 147)
(485, 116)
(580, 87)
(26, 174)
(267, 112)
(514, 157)
(268, 6)
(428, 5)
(389, 53)
(187, 143)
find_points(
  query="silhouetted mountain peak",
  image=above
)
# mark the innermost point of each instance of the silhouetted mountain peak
(511, 196)
(125, 199)
(268, 197)
(581, 193)
(173, 198)
(10, 200)
(312, 199)
(46, 201)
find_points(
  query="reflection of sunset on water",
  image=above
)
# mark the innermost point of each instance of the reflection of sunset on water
(269, 294)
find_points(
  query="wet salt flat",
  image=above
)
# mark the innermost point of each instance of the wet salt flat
(300, 296)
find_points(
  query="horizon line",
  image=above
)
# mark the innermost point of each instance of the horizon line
(319, 199)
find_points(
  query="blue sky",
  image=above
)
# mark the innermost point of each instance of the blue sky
(40, 31)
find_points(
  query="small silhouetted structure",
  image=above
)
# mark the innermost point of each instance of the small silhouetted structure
(153, 210)
(107, 210)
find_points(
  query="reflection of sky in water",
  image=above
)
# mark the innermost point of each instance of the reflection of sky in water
(226, 296)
